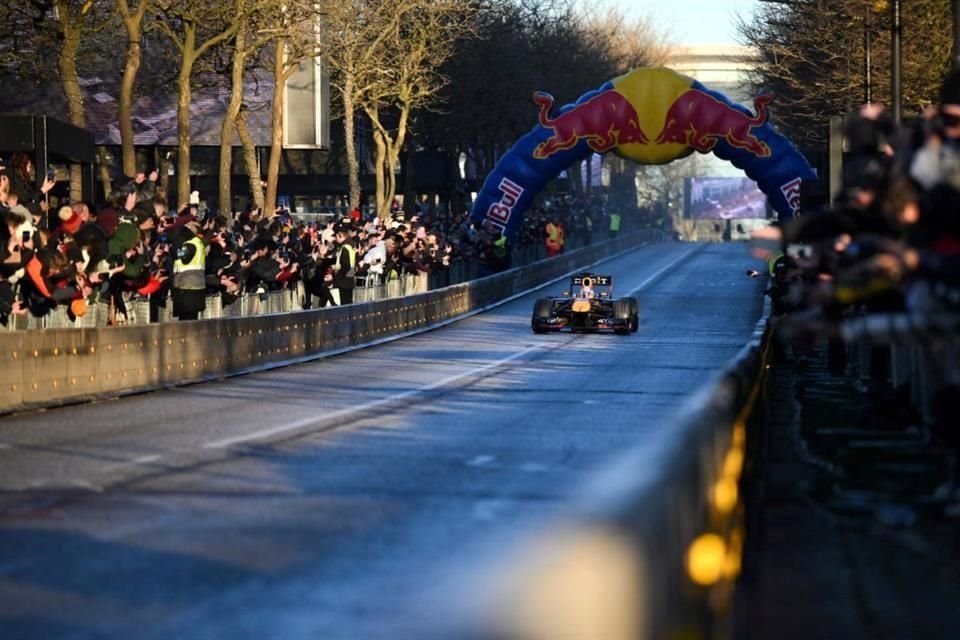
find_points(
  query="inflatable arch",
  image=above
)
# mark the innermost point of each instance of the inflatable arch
(651, 115)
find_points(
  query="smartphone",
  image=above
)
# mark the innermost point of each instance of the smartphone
(131, 187)
(51, 173)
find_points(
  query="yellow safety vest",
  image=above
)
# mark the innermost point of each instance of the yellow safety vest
(772, 262)
(190, 275)
(554, 235)
(351, 253)
(614, 222)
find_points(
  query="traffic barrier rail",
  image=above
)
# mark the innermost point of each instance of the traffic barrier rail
(56, 366)
(921, 352)
(288, 299)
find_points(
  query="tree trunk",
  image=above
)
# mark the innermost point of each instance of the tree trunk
(71, 28)
(250, 159)
(104, 169)
(409, 179)
(165, 177)
(276, 127)
(130, 70)
(229, 121)
(390, 171)
(183, 115)
(350, 143)
(380, 164)
(392, 148)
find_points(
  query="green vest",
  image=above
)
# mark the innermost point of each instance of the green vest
(190, 275)
(614, 222)
(500, 247)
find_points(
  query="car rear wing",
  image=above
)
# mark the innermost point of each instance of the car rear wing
(594, 280)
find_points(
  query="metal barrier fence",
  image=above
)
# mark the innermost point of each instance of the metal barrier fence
(47, 368)
(369, 289)
(287, 300)
(920, 352)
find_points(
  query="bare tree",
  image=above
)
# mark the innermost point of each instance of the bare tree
(812, 57)
(386, 58)
(73, 18)
(250, 158)
(294, 30)
(251, 36)
(132, 17)
(194, 27)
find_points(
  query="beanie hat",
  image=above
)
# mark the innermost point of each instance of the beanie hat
(108, 219)
(69, 219)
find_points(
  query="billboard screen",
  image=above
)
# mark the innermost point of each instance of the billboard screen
(723, 199)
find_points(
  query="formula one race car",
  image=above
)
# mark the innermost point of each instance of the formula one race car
(589, 305)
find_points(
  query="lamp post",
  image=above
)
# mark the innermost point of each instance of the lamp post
(896, 32)
(896, 84)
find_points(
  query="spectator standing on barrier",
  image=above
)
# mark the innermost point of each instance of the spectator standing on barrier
(189, 279)
(344, 269)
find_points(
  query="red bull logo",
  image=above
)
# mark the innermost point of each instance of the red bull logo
(605, 121)
(699, 120)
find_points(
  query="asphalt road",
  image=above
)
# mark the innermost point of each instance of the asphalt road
(322, 500)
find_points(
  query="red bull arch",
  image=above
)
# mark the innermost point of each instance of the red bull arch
(651, 115)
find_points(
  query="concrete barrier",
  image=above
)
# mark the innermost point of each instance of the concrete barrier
(50, 367)
(652, 548)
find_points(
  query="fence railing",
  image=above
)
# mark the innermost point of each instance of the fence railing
(369, 289)
(919, 352)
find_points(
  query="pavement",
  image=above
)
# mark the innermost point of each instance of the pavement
(849, 538)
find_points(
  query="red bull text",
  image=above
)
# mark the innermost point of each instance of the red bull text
(791, 193)
(604, 121)
(499, 212)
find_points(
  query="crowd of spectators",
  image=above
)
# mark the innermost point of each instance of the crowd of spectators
(890, 243)
(74, 254)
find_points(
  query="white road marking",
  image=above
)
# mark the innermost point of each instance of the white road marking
(343, 413)
(4, 445)
(145, 459)
(661, 270)
(480, 461)
(488, 509)
(534, 467)
(83, 484)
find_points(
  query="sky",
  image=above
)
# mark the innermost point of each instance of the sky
(690, 21)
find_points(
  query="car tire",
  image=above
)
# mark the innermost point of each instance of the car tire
(542, 312)
(635, 315)
(623, 312)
